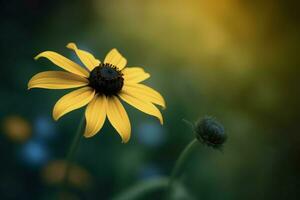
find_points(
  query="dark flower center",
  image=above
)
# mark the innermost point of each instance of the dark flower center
(106, 79)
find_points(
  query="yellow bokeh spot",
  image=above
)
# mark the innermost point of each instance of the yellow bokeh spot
(54, 172)
(16, 128)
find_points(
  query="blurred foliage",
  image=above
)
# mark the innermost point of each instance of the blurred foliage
(236, 60)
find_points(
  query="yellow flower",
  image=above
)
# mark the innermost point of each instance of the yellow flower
(102, 85)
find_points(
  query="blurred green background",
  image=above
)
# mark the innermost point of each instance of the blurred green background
(237, 60)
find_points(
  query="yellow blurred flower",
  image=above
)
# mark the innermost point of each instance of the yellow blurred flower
(54, 173)
(102, 84)
(16, 128)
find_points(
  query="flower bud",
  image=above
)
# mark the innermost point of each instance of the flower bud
(210, 132)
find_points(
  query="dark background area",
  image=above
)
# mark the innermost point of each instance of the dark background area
(232, 59)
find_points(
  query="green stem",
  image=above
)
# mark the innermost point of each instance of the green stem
(146, 187)
(143, 188)
(179, 164)
(71, 153)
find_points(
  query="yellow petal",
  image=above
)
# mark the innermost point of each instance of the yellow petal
(141, 104)
(118, 117)
(64, 63)
(116, 59)
(72, 101)
(145, 92)
(56, 80)
(95, 115)
(86, 58)
(134, 74)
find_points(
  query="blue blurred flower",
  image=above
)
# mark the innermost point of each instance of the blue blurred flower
(44, 128)
(34, 153)
(149, 171)
(151, 134)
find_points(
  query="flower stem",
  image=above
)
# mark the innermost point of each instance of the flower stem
(143, 188)
(71, 153)
(179, 164)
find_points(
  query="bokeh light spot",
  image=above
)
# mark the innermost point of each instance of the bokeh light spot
(34, 153)
(16, 128)
(151, 134)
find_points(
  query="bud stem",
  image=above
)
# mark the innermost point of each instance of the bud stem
(179, 164)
